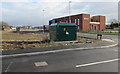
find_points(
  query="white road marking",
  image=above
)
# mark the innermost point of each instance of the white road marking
(94, 63)
(108, 46)
(109, 40)
(8, 66)
(41, 63)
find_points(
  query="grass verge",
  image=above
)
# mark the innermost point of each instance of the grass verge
(102, 32)
(10, 36)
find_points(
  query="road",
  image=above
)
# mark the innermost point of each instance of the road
(95, 60)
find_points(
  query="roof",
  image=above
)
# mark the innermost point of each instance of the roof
(63, 24)
(70, 15)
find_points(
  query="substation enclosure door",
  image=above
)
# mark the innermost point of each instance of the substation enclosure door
(63, 32)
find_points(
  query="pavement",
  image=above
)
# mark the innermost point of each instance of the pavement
(106, 42)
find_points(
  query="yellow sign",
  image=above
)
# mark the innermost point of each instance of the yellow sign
(64, 29)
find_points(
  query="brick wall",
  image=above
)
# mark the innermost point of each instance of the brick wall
(83, 21)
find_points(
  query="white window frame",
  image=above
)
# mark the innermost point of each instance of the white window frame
(75, 20)
(70, 21)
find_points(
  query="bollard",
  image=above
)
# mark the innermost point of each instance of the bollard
(99, 36)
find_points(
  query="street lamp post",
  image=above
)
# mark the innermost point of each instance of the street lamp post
(43, 17)
(43, 20)
(119, 17)
(69, 12)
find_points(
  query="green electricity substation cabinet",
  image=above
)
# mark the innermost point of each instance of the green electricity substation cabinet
(63, 32)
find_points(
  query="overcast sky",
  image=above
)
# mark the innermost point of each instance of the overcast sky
(30, 12)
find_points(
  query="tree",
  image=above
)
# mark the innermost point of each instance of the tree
(4, 25)
(113, 25)
(113, 21)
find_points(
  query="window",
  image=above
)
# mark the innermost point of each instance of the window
(66, 21)
(78, 27)
(95, 28)
(91, 27)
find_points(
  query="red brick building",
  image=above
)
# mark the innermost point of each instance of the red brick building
(84, 22)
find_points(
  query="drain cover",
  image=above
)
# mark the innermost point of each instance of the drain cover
(40, 64)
